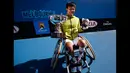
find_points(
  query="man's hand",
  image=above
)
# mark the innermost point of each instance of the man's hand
(86, 23)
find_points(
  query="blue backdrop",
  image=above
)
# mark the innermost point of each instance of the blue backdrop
(85, 8)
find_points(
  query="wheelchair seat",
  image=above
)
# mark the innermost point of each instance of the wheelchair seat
(75, 47)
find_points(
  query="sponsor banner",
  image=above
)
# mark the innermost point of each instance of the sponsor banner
(26, 30)
(102, 25)
(23, 30)
(41, 27)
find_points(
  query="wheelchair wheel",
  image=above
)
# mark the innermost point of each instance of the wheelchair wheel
(56, 54)
(89, 50)
(67, 63)
(87, 59)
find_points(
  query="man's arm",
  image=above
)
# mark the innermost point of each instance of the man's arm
(82, 25)
(79, 27)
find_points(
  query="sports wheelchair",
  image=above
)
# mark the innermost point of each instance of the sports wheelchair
(86, 57)
(84, 63)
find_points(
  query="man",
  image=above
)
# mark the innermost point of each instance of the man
(71, 28)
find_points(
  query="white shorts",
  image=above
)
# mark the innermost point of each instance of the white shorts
(74, 42)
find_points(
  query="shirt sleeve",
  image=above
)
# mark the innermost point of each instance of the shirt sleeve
(79, 28)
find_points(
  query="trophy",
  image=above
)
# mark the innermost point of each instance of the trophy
(55, 22)
(57, 18)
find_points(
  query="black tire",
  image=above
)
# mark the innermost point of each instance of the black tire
(88, 59)
(56, 54)
(89, 50)
(67, 63)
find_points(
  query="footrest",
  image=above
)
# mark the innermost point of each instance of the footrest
(76, 64)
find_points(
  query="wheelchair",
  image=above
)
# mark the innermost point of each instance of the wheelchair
(84, 63)
(87, 56)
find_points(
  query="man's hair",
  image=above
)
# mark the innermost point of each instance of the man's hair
(71, 4)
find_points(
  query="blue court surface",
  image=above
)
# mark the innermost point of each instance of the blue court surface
(34, 55)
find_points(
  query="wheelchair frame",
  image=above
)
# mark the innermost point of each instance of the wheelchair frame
(88, 53)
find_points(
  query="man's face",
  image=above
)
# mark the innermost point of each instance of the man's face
(70, 10)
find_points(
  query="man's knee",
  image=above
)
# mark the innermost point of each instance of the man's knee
(69, 46)
(81, 43)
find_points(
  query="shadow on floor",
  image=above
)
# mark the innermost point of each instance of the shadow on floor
(42, 66)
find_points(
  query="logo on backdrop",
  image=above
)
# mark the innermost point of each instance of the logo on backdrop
(37, 13)
(16, 29)
(41, 27)
(92, 24)
(88, 23)
(107, 23)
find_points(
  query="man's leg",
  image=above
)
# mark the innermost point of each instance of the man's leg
(69, 45)
(81, 43)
